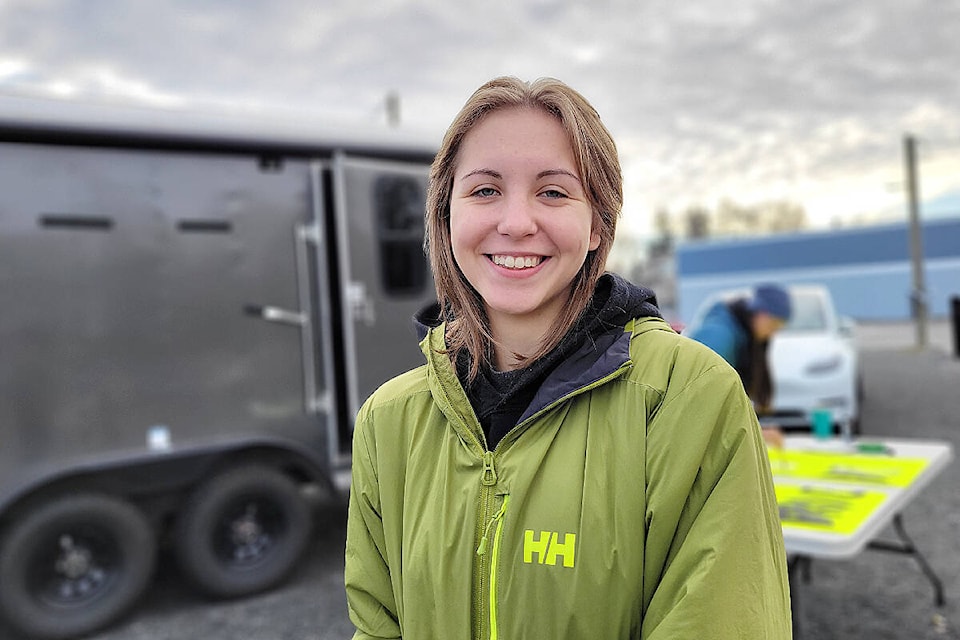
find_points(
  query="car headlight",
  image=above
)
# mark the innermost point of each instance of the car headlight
(824, 365)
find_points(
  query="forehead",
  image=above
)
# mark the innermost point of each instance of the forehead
(514, 132)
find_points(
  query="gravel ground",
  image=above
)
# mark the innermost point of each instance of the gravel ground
(910, 392)
(899, 336)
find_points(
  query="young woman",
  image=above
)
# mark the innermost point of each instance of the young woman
(564, 465)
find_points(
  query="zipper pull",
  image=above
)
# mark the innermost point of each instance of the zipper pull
(482, 549)
(489, 472)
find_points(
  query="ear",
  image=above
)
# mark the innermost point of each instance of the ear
(594, 240)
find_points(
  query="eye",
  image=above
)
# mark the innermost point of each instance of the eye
(553, 193)
(484, 192)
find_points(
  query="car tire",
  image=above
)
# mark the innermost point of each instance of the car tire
(74, 565)
(242, 532)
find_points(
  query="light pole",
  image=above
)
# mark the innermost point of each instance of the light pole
(392, 107)
(918, 295)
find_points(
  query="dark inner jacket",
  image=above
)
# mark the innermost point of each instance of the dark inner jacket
(500, 398)
(752, 360)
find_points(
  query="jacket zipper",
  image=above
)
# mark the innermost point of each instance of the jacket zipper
(487, 572)
(488, 482)
(496, 523)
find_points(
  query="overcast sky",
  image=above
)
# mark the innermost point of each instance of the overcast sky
(741, 99)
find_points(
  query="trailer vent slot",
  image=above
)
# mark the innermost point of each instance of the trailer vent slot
(204, 226)
(66, 221)
(271, 164)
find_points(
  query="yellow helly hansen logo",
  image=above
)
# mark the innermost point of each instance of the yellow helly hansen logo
(547, 547)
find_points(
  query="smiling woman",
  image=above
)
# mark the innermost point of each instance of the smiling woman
(564, 465)
(521, 229)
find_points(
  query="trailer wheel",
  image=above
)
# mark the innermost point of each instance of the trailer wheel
(74, 565)
(242, 532)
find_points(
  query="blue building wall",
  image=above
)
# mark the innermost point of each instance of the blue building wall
(868, 269)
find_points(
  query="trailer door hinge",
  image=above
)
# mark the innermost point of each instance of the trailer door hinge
(310, 233)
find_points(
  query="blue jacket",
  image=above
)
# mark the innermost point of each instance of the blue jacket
(721, 331)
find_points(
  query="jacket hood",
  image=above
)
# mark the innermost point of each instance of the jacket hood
(595, 347)
(617, 300)
(427, 318)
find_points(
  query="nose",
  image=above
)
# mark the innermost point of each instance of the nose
(516, 218)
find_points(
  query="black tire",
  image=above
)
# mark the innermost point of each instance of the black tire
(74, 565)
(242, 532)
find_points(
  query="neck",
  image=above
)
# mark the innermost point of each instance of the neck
(515, 336)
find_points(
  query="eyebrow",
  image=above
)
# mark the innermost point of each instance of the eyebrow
(484, 172)
(543, 174)
(557, 172)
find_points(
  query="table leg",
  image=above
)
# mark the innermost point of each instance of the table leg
(797, 565)
(907, 546)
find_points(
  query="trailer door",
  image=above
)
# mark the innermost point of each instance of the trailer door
(384, 275)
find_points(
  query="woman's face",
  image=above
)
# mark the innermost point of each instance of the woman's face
(520, 222)
(766, 325)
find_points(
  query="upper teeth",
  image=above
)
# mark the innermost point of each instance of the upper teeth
(517, 262)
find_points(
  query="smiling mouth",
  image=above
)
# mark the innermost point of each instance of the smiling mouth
(516, 262)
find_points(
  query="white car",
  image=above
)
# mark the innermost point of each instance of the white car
(813, 360)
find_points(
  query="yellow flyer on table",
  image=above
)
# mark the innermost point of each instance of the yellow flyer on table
(861, 469)
(827, 509)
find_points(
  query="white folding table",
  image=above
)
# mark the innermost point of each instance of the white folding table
(835, 496)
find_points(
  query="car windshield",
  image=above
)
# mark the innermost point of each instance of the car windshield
(808, 313)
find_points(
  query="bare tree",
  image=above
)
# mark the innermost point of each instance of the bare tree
(697, 219)
(662, 245)
(786, 216)
(773, 216)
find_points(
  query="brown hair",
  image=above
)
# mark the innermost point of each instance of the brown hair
(751, 360)
(599, 167)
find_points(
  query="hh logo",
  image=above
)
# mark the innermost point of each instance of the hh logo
(547, 547)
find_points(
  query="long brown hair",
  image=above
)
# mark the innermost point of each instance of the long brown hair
(752, 360)
(599, 166)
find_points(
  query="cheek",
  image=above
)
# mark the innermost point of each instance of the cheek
(767, 329)
(457, 230)
(468, 226)
(461, 236)
(586, 238)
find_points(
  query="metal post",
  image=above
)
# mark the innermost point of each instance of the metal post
(392, 105)
(918, 296)
(955, 323)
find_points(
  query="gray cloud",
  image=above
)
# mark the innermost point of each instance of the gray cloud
(710, 99)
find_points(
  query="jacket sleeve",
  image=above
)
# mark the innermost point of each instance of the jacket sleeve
(370, 597)
(715, 565)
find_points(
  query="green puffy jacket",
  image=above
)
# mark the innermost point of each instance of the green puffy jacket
(637, 503)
